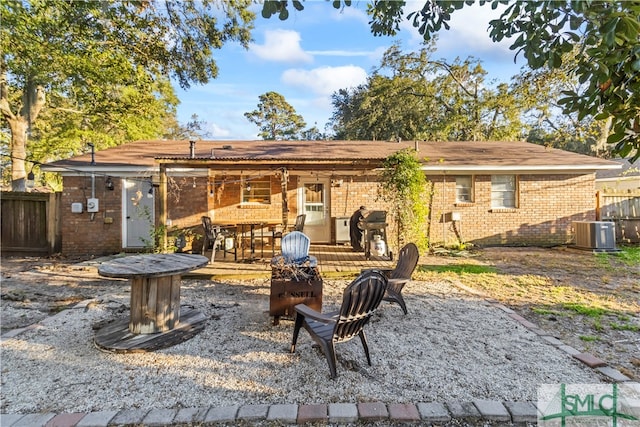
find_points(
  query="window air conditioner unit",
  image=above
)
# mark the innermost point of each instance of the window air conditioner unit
(595, 235)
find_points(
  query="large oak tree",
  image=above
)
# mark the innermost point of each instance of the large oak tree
(89, 56)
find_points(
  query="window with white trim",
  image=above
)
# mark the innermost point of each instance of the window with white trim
(257, 190)
(464, 189)
(503, 191)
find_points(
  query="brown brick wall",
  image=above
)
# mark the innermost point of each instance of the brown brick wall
(547, 205)
(354, 192)
(91, 234)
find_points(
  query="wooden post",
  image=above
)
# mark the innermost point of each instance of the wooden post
(162, 214)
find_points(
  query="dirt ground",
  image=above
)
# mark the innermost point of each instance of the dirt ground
(588, 301)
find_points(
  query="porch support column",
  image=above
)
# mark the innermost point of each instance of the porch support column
(162, 214)
(284, 177)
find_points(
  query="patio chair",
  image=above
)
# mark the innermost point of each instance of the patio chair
(401, 274)
(278, 232)
(359, 301)
(295, 251)
(215, 236)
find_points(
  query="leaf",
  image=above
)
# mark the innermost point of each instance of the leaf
(615, 137)
(601, 116)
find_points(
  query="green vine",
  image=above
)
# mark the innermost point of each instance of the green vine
(404, 187)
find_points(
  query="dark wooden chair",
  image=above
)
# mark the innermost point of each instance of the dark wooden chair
(401, 275)
(295, 251)
(215, 236)
(279, 233)
(359, 301)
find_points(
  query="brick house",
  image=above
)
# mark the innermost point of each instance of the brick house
(487, 193)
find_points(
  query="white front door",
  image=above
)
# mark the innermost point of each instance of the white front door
(139, 214)
(313, 199)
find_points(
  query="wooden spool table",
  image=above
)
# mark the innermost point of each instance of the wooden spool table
(156, 320)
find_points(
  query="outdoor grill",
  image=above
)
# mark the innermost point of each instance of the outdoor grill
(374, 227)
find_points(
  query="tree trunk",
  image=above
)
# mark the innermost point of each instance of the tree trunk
(33, 99)
(19, 128)
(601, 142)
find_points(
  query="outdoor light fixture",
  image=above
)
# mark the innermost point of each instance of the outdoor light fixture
(108, 184)
(31, 179)
(248, 187)
(150, 192)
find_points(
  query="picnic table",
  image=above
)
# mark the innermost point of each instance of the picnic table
(156, 318)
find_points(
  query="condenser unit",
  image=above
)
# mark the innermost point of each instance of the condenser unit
(595, 235)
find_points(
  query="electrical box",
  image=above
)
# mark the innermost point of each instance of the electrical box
(456, 216)
(76, 207)
(92, 205)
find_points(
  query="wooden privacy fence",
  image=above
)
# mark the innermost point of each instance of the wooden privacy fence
(623, 208)
(30, 223)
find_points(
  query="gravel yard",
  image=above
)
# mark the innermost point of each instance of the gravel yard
(451, 346)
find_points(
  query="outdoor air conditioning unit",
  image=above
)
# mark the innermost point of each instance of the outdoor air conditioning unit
(595, 235)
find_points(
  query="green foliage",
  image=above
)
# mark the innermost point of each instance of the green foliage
(586, 310)
(625, 327)
(80, 71)
(605, 33)
(537, 91)
(403, 186)
(630, 255)
(413, 96)
(276, 118)
(459, 269)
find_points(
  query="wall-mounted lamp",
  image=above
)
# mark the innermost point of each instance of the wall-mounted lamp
(108, 184)
(31, 180)
(150, 192)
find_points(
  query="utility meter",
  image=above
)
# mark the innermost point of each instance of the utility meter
(92, 205)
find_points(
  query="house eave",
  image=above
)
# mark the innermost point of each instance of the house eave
(532, 169)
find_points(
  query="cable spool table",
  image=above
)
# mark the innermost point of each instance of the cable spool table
(156, 320)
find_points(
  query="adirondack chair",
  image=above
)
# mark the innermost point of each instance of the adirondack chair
(279, 233)
(401, 274)
(295, 251)
(359, 301)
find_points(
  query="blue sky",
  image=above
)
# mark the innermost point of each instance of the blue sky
(316, 52)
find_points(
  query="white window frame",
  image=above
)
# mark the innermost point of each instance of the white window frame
(504, 191)
(259, 193)
(464, 184)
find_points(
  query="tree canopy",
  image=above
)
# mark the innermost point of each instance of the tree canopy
(414, 96)
(276, 118)
(605, 33)
(107, 65)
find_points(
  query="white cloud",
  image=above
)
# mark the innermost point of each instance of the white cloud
(325, 80)
(215, 131)
(281, 46)
(468, 34)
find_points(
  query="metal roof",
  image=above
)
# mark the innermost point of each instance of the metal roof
(435, 156)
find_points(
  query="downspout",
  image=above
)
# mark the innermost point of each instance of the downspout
(444, 219)
(162, 206)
